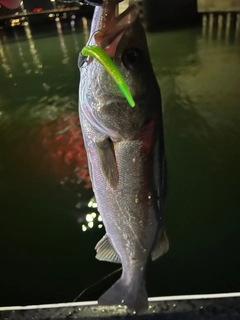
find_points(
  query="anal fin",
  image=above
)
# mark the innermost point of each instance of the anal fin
(105, 251)
(161, 245)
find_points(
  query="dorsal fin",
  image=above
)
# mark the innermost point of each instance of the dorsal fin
(105, 251)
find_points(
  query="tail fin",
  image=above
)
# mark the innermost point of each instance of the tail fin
(134, 297)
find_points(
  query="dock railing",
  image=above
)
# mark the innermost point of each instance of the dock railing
(218, 5)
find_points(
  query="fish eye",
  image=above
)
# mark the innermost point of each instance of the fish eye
(131, 58)
(81, 60)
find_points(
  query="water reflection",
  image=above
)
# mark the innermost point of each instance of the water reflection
(88, 216)
(217, 62)
(65, 154)
(204, 25)
(210, 25)
(75, 40)
(5, 65)
(72, 22)
(237, 35)
(33, 51)
(57, 149)
(89, 220)
(221, 26)
(63, 46)
(21, 55)
(228, 25)
(85, 29)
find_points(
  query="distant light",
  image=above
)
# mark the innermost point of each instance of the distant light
(21, 3)
(37, 9)
(90, 203)
(51, 15)
(99, 218)
(52, 0)
(84, 228)
(100, 226)
(15, 22)
(89, 217)
(90, 224)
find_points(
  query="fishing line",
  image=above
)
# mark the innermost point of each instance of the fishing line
(99, 281)
(86, 289)
(82, 60)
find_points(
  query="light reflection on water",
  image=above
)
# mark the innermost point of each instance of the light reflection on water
(91, 219)
(34, 53)
(6, 67)
(225, 25)
(62, 42)
(47, 205)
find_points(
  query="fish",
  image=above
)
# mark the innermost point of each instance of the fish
(125, 151)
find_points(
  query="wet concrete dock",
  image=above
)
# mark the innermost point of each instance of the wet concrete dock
(197, 307)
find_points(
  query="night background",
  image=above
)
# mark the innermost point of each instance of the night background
(48, 218)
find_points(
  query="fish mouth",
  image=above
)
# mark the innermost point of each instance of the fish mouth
(112, 25)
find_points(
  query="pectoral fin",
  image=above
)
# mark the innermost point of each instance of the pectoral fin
(105, 251)
(108, 162)
(161, 245)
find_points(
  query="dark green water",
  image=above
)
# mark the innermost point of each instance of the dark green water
(46, 243)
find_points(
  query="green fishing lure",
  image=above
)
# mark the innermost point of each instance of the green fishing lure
(100, 55)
